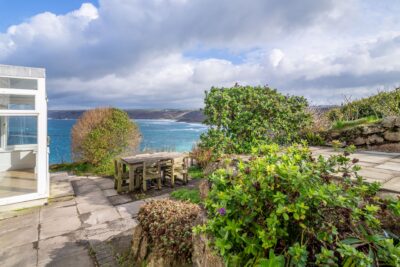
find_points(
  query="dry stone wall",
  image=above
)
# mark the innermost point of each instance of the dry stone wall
(383, 133)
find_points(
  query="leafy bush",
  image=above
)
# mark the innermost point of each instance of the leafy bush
(290, 209)
(202, 156)
(191, 195)
(101, 134)
(168, 224)
(243, 116)
(380, 105)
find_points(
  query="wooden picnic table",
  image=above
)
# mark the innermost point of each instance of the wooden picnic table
(141, 158)
(138, 161)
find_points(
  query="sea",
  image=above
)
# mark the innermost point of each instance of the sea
(157, 135)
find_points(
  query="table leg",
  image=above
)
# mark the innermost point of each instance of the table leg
(132, 177)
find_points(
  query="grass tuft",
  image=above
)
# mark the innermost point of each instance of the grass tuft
(195, 172)
(191, 195)
(339, 125)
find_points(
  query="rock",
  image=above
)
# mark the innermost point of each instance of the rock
(204, 188)
(372, 129)
(143, 249)
(390, 122)
(136, 238)
(203, 255)
(389, 147)
(359, 141)
(392, 136)
(375, 139)
(334, 134)
(155, 260)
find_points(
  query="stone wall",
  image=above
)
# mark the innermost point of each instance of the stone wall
(383, 133)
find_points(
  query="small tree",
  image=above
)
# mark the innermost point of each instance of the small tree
(242, 117)
(103, 133)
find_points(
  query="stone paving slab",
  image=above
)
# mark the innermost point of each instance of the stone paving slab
(18, 222)
(51, 213)
(110, 192)
(392, 185)
(390, 165)
(373, 174)
(19, 237)
(59, 226)
(100, 216)
(63, 249)
(376, 166)
(24, 255)
(130, 210)
(120, 199)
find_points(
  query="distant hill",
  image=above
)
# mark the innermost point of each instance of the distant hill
(166, 114)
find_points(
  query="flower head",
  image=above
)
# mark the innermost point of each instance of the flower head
(222, 211)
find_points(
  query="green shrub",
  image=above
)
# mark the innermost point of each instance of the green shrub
(380, 105)
(244, 116)
(168, 225)
(288, 209)
(101, 134)
(203, 156)
(191, 195)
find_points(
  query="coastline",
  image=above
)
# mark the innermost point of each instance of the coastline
(188, 116)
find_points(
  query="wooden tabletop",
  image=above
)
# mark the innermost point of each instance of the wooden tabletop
(140, 158)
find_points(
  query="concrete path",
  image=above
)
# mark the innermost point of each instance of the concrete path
(71, 230)
(376, 166)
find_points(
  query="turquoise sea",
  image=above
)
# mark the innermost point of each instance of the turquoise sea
(156, 135)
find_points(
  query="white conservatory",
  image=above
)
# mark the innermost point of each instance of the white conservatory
(23, 135)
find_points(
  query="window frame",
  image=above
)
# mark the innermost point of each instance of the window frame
(17, 113)
(41, 148)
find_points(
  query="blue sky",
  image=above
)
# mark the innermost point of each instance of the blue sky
(18, 11)
(166, 53)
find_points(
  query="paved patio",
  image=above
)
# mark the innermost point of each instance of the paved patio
(70, 230)
(84, 213)
(376, 167)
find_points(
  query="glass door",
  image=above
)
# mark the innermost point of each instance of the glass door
(18, 155)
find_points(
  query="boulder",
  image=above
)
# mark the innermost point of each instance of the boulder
(375, 139)
(204, 188)
(136, 240)
(203, 255)
(359, 141)
(372, 129)
(392, 136)
(143, 249)
(156, 260)
(334, 134)
(390, 122)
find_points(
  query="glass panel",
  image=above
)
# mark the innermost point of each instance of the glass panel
(18, 174)
(17, 102)
(18, 83)
(21, 130)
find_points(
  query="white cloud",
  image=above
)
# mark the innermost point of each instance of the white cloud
(276, 57)
(130, 53)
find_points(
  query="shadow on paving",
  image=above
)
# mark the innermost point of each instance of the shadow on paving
(71, 253)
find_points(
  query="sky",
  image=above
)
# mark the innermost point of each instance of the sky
(166, 53)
